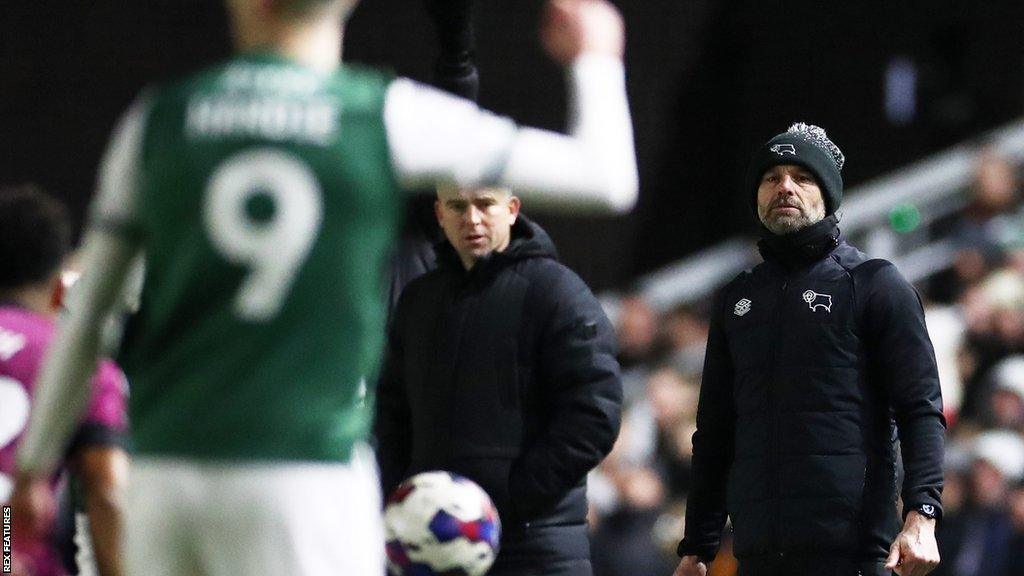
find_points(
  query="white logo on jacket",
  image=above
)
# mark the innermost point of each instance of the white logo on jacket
(815, 301)
(742, 307)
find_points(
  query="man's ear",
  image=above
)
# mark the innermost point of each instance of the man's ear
(438, 210)
(514, 204)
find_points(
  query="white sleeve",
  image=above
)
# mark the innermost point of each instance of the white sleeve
(116, 205)
(63, 388)
(438, 138)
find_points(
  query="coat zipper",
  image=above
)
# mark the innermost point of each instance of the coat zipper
(773, 420)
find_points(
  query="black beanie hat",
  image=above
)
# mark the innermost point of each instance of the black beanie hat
(804, 145)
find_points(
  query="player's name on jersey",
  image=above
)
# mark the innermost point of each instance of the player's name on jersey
(277, 119)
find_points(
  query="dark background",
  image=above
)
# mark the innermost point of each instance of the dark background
(709, 81)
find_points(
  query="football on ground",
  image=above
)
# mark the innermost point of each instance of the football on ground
(439, 523)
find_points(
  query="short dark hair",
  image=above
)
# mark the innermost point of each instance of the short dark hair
(35, 236)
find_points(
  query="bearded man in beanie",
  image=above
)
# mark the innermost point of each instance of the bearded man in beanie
(818, 359)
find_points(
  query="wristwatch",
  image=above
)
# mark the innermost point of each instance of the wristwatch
(926, 510)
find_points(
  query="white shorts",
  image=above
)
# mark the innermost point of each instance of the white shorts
(186, 518)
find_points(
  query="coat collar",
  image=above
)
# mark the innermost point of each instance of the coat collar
(802, 247)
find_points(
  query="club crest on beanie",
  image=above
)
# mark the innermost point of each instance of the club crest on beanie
(804, 145)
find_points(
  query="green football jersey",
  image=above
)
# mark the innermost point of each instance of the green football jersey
(267, 205)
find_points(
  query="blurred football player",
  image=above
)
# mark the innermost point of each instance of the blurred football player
(265, 193)
(34, 240)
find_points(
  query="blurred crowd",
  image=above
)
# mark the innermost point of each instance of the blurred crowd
(975, 313)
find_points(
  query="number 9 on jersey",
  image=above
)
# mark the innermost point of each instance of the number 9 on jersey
(272, 248)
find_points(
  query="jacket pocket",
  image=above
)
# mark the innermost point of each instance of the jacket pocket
(492, 474)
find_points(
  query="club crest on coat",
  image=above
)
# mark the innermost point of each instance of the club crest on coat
(815, 301)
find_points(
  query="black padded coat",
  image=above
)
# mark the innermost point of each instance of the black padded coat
(505, 374)
(811, 368)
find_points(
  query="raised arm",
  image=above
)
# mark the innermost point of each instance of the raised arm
(438, 138)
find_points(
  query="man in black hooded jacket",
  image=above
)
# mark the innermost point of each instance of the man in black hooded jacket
(817, 359)
(501, 367)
